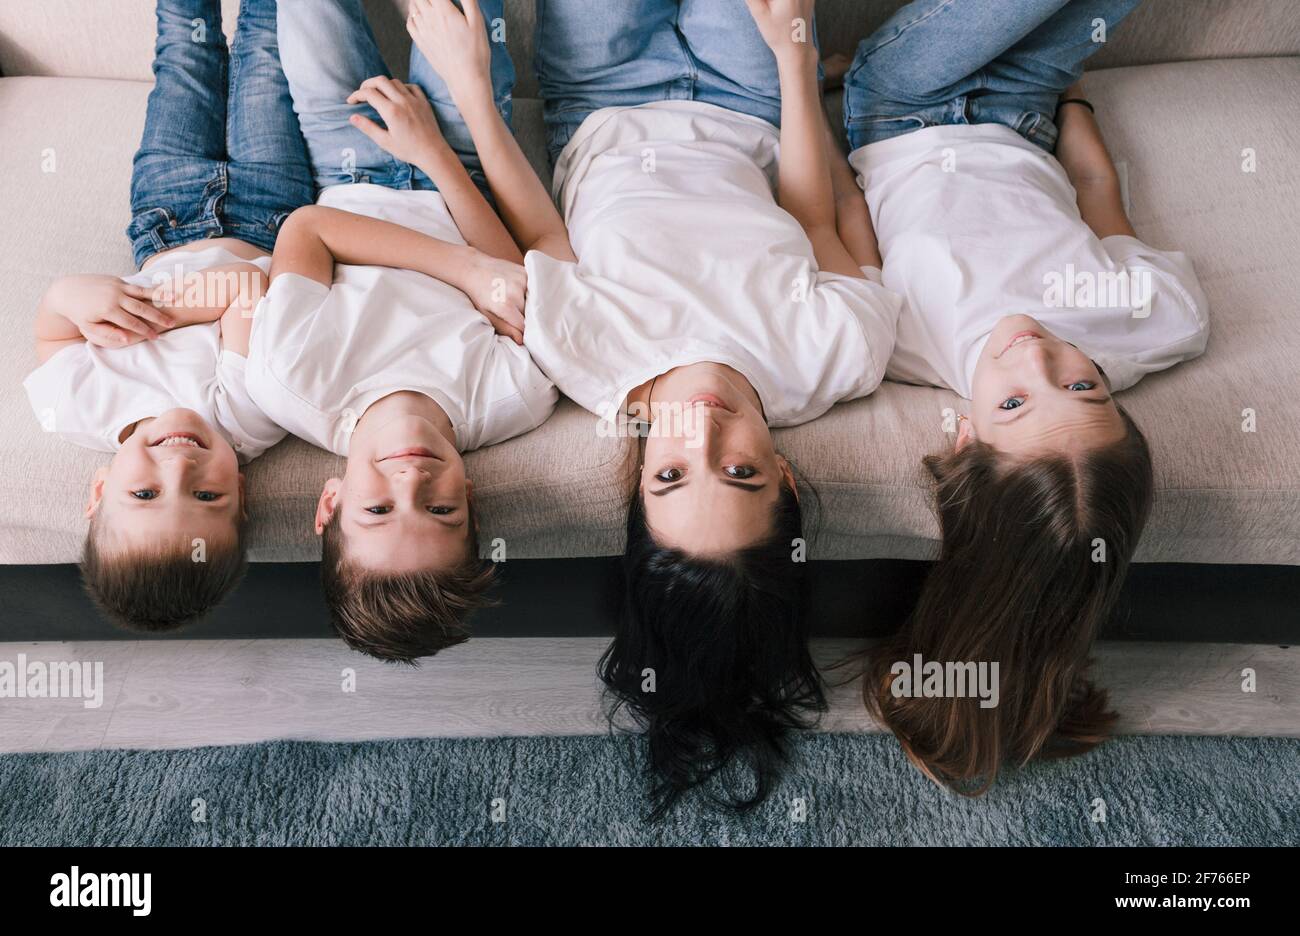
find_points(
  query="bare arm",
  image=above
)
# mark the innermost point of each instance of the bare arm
(412, 135)
(852, 216)
(315, 238)
(479, 224)
(112, 314)
(805, 187)
(456, 44)
(1083, 154)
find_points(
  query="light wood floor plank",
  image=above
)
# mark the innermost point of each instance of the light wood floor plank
(189, 693)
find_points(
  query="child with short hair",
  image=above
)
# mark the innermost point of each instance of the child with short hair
(392, 333)
(151, 367)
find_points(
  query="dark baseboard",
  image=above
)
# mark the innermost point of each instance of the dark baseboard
(578, 598)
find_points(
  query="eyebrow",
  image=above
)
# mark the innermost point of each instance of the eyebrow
(750, 487)
(1020, 410)
(384, 520)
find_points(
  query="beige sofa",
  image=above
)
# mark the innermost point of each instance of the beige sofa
(1186, 91)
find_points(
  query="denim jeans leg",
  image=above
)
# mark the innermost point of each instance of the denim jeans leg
(735, 68)
(178, 176)
(270, 174)
(327, 50)
(1023, 84)
(450, 121)
(926, 55)
(591, 54)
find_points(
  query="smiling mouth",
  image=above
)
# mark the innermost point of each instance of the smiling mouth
(415, 452)
(710, 400)
(1020, 338)
(177, 440)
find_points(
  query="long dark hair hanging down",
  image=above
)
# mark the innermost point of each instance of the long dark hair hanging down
(723, 645)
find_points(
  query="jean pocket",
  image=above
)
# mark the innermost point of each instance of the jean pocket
(904, 123)
(1038, 128)
(151, 223)
(277, 221)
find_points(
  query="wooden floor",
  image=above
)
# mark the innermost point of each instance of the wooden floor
(187, 693)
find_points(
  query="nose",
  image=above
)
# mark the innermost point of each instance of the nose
(1040, 360)
(178, 462)
(411, 474)
(705, 429)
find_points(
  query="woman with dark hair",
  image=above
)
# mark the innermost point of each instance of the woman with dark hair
(708, 293)
(1027, 292)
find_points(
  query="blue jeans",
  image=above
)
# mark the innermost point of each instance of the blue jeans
(609, 53)
(328, 50)
(973, 61)
(221, 154)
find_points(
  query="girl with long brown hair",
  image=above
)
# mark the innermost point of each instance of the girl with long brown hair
(1000, 220)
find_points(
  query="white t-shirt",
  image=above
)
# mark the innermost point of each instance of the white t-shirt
(685, 257)
(320, 356)
(89, 394)
(975, 222)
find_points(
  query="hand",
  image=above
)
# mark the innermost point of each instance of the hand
(455, 43)
(498, 289)
(412, 133)
(786, 27)
(110, 313)
(835, 67)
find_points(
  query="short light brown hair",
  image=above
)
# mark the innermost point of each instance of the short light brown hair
(401, 617)
(160, 588)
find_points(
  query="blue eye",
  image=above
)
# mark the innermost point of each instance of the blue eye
(441, 511)
(206, 495)
(144, 494)
(1011, 403)
(1081, 385)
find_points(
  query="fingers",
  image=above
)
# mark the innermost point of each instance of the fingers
(372, 130)
(104, 335)
(128, 322)
(502, 327)
(158, 296)
(473, 15)
(390, 88)
(442, 8)
(147, 311)
(382, 103)
(144, 293)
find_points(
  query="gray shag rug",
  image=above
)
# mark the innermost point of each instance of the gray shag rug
(839, 790)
